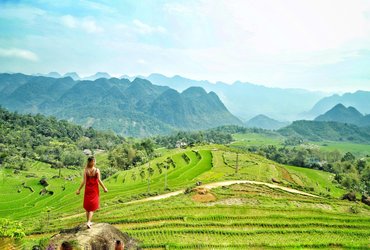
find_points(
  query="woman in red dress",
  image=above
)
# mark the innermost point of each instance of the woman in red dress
(91, 180)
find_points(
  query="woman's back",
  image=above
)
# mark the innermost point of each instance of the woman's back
(91, 197)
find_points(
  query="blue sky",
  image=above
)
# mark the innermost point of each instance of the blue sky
(310, 44)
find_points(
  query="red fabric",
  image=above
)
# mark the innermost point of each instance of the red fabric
(91, 197)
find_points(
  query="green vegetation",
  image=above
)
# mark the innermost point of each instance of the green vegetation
(327, 131)
(184, 139)
(243, 216)
(351, 172)
(237, 217)
(246, 140)
(136, 108)
(27, 138)
(359, 150)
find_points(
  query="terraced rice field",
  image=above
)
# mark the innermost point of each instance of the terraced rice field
(242, 216)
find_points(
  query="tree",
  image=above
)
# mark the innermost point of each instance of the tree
(72, 158)
(122, 157)
(351, 182)
(348, 157)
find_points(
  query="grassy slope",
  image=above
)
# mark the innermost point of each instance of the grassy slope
(243, 217)
(63, 209)
(253, 139)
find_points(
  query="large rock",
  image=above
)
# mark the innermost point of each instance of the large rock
(365, 199)
(101, 236)
(44, 182)
(349, 196)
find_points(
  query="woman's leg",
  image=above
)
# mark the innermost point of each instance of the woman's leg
(89, 217)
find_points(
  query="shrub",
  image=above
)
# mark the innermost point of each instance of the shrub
(11, 229)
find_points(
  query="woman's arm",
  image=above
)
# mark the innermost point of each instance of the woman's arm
(82, 183)
(100, 182)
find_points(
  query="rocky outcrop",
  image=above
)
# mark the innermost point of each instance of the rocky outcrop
(349, 196)
(365, 199)
(100, 236)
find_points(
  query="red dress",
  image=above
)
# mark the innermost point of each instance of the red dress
(91, 197)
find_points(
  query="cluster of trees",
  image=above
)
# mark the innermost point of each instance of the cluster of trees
(330, 131)
(234, 129)
(193, 138)
(351, 172)
(131, 154)
(25, 137)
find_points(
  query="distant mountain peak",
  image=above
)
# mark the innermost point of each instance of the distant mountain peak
(339, 106)
(98, 75)
(73, 75)
(194, 91)
(340, 113)
(54, 75)
(359, 100)
(265, 122)
(139, 80)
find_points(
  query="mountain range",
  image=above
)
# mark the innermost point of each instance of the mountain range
(134, 108)
(359, 100)
(76, 77)
(339, 113)
(247, 100)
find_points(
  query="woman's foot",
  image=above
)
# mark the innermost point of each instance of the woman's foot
(88, 224)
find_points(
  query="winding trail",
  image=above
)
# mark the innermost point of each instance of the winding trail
(208, 186)
(220, 184)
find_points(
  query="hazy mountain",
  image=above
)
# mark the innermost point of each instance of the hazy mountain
(193, 103)
(131, 78)
(97, 75)
(247, 100)
(265, 122)
(339, 113)
(332, 131)
(50, 74)
(359, 100)
(73, 75)
(38, 89)
(136, 108)
(10, 82)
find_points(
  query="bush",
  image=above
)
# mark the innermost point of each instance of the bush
(11, 229)
(354, 210)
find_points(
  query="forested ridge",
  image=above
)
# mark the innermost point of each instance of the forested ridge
(26, 137)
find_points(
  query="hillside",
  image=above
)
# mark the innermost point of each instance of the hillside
(332, 131)
(136, 108)
(340, 113)
(28, 139)
(247, 100)
(188, 219)
(265, 122)
(263, 202)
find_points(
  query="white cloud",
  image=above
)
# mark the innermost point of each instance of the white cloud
(270, 27)
(19, 53)
(87, 24)
(69, 21)
(142, 61)
(90, 26)
(144, 28)
(176, 8)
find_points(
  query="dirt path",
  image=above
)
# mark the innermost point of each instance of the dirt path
(209, 186)
(220, 184)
